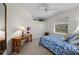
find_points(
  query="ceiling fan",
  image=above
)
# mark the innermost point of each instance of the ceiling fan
(46, 7)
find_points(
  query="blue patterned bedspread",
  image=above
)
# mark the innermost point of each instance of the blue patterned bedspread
(57, 45)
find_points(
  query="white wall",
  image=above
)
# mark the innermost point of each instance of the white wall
(18, 16)
(73, 20)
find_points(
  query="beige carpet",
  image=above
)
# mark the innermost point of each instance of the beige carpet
(32, 48)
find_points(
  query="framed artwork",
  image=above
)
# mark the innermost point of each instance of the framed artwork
(61, 28)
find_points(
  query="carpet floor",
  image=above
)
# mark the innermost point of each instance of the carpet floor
(33, 48)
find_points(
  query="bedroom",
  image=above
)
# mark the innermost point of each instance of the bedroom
(41, 21)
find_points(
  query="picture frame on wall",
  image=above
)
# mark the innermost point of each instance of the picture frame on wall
(61, 28)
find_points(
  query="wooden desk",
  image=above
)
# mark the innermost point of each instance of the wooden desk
(28, 37)
(16, 44)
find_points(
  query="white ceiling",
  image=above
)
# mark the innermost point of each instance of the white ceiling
(37, 9)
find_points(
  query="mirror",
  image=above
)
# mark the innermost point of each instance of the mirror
(2, 28)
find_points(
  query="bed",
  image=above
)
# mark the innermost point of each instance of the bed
(58, 45)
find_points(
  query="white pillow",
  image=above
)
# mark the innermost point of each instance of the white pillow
(75, 41)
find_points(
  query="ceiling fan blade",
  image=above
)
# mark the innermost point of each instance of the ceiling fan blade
(47, 9)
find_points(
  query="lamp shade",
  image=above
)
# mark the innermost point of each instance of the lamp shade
(21, 28)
